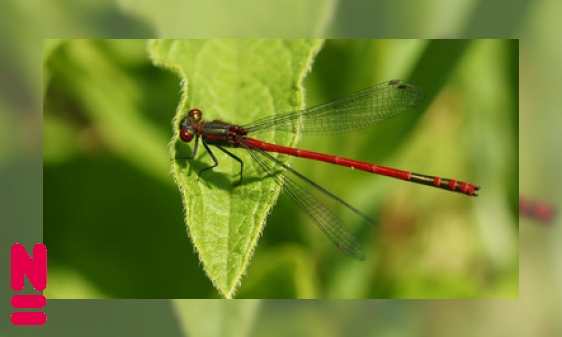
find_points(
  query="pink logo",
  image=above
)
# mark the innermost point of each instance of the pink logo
(36, 270)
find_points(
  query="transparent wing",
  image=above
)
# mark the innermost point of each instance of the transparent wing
(324, 218)
(358, 110)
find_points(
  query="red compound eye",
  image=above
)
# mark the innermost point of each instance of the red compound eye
(196, 114)
(186, 135)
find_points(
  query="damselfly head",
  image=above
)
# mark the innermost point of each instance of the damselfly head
(188, 124)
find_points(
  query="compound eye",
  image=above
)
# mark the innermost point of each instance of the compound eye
(186, 135)
(195, 114)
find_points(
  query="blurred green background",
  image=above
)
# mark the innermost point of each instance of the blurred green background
(112, 213)
(534, 22)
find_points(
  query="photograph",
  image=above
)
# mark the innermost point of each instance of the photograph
(332, 169)
(280, 168)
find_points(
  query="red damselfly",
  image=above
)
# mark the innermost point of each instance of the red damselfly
(359, 110)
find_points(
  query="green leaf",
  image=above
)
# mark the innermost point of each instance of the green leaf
(235, 81)
(216, 318)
